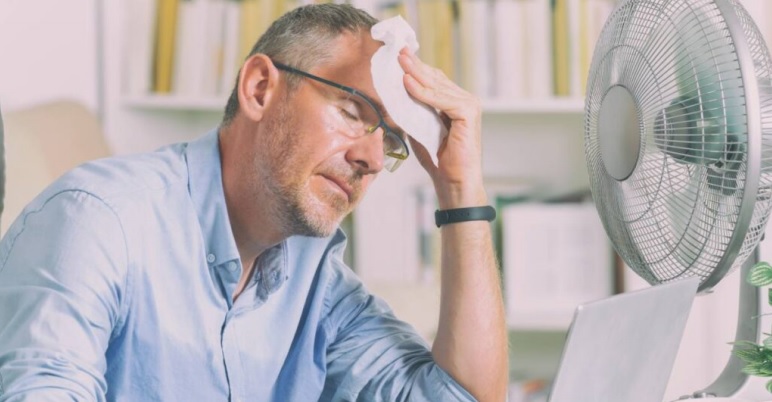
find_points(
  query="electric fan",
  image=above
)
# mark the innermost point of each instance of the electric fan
(678, 141)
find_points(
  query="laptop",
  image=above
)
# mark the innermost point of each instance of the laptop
(622, 349)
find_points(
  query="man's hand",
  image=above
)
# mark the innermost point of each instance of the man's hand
(471, 343)
(458, 176)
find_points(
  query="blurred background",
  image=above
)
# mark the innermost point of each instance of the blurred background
(84, 79)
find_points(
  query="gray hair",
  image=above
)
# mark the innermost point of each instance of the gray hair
(302, 38)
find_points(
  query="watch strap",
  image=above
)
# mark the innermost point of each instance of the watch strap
(443, 217)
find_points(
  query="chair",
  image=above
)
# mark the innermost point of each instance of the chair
(41, 144)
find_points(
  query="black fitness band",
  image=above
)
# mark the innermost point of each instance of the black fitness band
(486, 213)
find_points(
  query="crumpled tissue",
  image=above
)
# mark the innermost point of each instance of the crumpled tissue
(419, 120)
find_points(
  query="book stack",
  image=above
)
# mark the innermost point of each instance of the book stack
(508, 49)
(497, 49)
(193, 48)
(555, 256)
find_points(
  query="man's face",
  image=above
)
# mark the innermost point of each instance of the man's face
(315, 171)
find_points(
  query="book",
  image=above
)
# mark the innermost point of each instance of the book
(139, 32)
(561, 48)
(567, 47)
(576, 80)
(189, 37)
(555, 256)
(523, 49)
(538, 49)
(568, 21)
(593, 14)
(444, 31)
(166, 30)
(213, 48)
(231, 58)
(509, 38)
(475, 44)
(435, 32)
(256, 17)
(507, 190)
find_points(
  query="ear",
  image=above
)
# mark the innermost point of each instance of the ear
(258, 85)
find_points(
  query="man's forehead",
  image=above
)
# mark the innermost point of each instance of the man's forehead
(349, 64)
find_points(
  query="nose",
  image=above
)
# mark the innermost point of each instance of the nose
(366, 152)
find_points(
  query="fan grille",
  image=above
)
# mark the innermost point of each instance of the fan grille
(684, 209)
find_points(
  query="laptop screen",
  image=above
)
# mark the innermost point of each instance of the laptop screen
(623, 348)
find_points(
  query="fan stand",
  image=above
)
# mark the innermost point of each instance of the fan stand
(732, 385)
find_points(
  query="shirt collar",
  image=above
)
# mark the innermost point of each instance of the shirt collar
(206, 192)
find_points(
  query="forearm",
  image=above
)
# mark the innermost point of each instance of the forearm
(471, 343)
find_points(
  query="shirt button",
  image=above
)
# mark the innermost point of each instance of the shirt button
(231, 266)
(210, 257)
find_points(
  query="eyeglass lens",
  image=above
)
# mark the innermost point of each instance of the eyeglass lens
(363, 119)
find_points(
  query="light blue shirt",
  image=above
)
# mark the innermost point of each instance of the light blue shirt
(116, 284)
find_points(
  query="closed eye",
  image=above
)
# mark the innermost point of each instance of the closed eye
(353, 116)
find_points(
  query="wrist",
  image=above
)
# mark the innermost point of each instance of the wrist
(452, 197)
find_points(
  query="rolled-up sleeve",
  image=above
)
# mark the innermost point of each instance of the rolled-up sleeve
(373, 356)
(62, 283)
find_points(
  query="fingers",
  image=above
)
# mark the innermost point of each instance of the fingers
(430, 86)
(459, 155)
(425, 74)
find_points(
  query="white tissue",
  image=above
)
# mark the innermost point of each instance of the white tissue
(420, 121)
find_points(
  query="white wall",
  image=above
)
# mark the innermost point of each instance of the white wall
(47, 52)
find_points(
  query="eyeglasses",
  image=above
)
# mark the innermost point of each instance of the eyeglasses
(362, 117)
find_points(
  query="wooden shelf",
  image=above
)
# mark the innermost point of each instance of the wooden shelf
(534, 106)
(175, 102)
(492, 106)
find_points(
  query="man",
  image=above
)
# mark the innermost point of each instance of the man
(212, 270)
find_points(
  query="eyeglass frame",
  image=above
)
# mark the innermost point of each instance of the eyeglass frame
(381, 122)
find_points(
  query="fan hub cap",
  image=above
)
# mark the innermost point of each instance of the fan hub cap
(619, 133)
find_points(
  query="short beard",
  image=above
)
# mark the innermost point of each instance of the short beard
(292, 216)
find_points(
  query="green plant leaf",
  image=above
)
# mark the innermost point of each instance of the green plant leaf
(751, 369)
(758, 358)
(750, 355)
(756, 369)
(744, 344)
(761, 274)
(765, 368)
